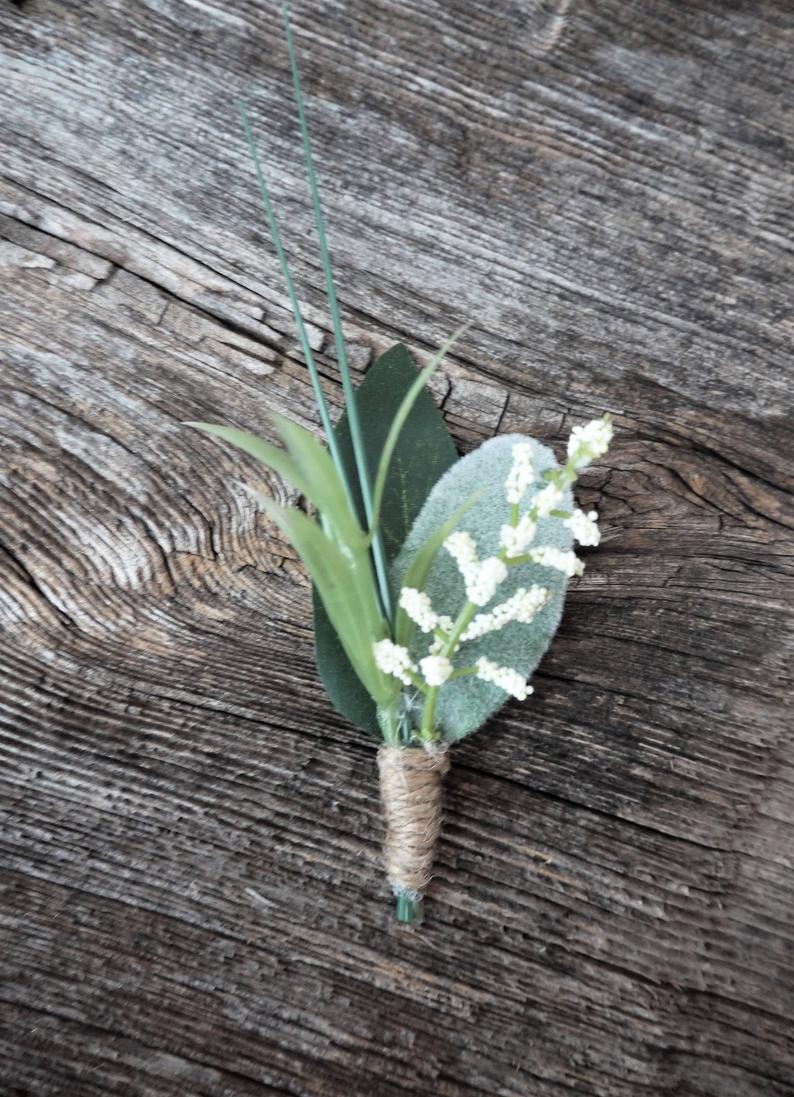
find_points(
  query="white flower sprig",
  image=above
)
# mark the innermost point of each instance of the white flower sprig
(521, 475)
(394, 659)
(583, 527)
(523, 607)
(482, 578)
(507, 679)
(418, 607)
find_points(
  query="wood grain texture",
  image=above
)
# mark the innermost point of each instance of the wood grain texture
(193, 902)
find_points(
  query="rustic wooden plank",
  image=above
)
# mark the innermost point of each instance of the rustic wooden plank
(192, 900)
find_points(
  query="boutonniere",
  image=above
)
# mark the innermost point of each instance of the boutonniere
(438, 580)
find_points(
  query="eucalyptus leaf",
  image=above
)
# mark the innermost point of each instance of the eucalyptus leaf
(424, 451)
(399, 420)
(465, 703)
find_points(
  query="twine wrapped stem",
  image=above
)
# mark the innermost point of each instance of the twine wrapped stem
(411, 791)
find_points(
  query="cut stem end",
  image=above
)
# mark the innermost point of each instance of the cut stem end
(409, 910)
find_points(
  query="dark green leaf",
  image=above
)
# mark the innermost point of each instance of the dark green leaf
(423, 453)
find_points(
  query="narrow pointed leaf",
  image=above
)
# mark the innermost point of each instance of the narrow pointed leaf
(307, 467)
(325, 488)
(423, 452)
(346, 590)
(263, 451)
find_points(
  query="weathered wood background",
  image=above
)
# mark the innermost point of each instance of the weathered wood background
(192, 897)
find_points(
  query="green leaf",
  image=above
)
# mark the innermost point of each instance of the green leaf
(424, 451)
(399, 420)
(323, 484)
(346, 586)
(265, 452)
(465, 703)
(307, 467)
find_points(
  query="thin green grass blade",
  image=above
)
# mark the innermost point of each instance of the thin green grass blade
(302, 335)
(341, 353)
(398, 423)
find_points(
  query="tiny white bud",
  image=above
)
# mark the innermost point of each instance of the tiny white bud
(521, 474)
(547, 500)
(419, 608)
(461, 547)
(590, 441)
(583, 527)
(435, 669)
(481, 584)
(515, 539)
(523, 606)
(393, 659)
(507, 679)
(549, 557)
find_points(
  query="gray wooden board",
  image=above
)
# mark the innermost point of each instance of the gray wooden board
(192, 897)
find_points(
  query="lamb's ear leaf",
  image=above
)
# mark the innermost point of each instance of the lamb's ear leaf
(424, 451)
(465, 703)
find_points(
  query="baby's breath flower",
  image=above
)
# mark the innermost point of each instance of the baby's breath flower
(481, 584)
(419, 608)
(583, 527)
(393, 659)
(549, 557)
(435, 669)
(514, 539)
(590, 441)
(507, 679)
(445, 623)
(481, 577)
(547, 500)
(521, 474)
(461, 547)
(522, 607)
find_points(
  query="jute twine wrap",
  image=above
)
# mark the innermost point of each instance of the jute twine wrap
(411, 791)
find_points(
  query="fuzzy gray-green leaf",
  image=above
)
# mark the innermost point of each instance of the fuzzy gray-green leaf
(466, 703)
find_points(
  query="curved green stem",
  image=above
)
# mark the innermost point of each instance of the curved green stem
(427, 731)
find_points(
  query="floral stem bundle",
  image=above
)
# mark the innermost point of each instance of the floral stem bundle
(438, 580)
